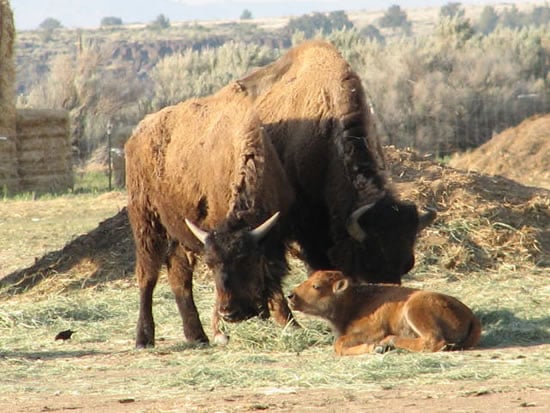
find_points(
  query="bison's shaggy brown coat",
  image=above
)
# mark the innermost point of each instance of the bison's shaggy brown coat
(368, 317)
(207, 160)
(314, 110)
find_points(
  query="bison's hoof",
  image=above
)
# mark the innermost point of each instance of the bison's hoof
(141, 346)
(221, 339)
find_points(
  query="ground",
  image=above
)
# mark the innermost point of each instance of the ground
(504, 396)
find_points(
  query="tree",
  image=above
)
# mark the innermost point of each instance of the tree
(488, 20)
(371, 32)
(160, 23)
(310, 24)
(50, 24)
(540, 15)
(339, 20)
(111, 21)
(246, 15)
(511, 17)
(452, 9)
(396, 18)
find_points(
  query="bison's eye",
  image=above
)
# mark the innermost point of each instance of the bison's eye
(316, 287)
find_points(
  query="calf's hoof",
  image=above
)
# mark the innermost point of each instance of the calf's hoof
(383, 348)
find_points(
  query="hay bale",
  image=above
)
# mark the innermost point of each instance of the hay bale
(44, 153)
(8, 169)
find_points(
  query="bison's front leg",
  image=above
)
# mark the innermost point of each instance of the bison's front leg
(220, 338)
(278, 309)
(180, 276)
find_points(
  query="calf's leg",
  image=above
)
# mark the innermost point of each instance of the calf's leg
(354, 344)
(426, 343)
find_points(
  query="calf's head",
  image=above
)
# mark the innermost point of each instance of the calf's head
(385, 233)
(236, 257)
(320, 294)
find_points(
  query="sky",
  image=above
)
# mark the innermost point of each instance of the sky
(88, 13)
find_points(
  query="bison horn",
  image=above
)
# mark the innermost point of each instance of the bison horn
(197, 232)
(353, 227)
(261, 230)
(426, 219)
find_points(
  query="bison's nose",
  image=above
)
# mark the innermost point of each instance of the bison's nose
(290, 296)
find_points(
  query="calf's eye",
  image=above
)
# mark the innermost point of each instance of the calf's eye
(316, 287)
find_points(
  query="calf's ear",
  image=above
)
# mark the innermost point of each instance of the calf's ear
(340, 286)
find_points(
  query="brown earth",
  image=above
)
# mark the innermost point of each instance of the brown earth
(521, 153)
(463, 397)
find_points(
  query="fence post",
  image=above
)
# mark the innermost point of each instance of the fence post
(109, 148)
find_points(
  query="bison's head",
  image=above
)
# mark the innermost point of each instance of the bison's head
(384, 235)
(237, 258)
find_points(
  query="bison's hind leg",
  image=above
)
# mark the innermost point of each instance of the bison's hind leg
(150, 249)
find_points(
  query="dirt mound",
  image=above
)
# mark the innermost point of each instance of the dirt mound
(483, 223)
(103, 254)
(521, 153)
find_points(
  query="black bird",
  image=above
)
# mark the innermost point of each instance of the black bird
(64, 335)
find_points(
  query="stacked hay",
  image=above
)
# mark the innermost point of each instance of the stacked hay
(44, 150)
(521, 153)
(8, 169)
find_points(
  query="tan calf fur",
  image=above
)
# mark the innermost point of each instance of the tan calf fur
(377, 317)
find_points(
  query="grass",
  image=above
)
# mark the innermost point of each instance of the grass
(260, 354)
(100, 359)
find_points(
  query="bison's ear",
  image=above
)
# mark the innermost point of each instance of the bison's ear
(340, 286)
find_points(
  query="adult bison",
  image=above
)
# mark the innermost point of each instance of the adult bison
(207, 162)
(345, 216)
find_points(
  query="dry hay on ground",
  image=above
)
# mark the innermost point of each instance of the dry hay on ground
(521, 153)
(483, 223)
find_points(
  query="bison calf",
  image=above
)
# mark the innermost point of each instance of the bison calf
(377, 317)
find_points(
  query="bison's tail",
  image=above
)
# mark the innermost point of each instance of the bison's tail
(474, 333)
